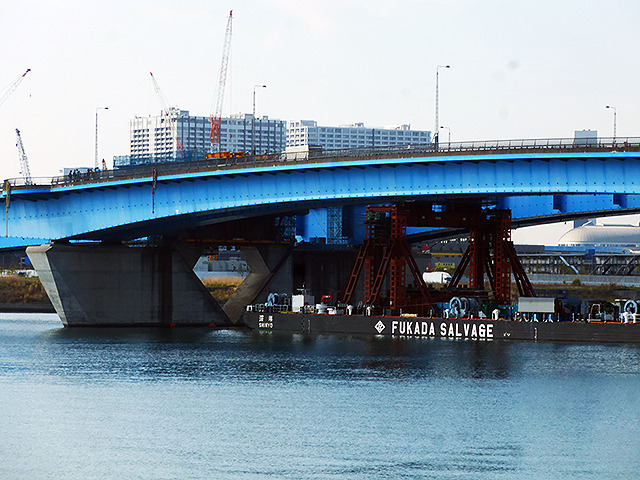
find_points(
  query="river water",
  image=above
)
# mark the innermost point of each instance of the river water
(85, 404)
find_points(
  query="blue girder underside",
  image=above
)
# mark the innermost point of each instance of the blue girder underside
(533, 185)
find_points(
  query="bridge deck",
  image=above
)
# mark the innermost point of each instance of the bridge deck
(454, 149)
(537, 180)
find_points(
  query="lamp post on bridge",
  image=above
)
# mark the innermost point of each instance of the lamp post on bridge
(253, 120)
(437, 129)
(614, 123)
(95, 162)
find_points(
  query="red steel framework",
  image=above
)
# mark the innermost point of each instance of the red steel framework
(385, 253)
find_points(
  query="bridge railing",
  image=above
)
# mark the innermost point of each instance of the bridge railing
(313, 156)
(602, 144)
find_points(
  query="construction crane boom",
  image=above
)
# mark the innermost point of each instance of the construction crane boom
(24, 161)
(166, 110)
(11, 88)
(216, 117)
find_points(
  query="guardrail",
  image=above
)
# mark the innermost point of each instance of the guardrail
(401, 151)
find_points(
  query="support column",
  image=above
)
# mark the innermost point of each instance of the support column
(371, 260)
(502, 237)
(264, 262)
(116, 285)
(397, 267)
(477, 251)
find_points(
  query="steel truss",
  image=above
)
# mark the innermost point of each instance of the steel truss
(385, 252)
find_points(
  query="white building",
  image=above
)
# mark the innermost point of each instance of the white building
(307, 133)
(592, 235)
(151, 138)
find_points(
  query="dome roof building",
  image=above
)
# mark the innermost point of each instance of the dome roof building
(590, 235)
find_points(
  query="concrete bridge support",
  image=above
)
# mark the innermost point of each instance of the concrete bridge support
(270, 270)
(284, 269)
(117, 285)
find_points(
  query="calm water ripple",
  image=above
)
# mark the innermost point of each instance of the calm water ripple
(125, 403)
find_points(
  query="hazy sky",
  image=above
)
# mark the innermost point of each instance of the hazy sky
(519, 69)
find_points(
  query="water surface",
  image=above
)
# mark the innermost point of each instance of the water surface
(124, 403)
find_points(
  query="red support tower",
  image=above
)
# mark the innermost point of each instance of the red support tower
(371, 260)
(502, 272)
(477, 245)
(397, 260)
(385, 253)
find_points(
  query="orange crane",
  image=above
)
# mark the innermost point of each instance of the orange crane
(216, 117)
(167, 114)
(10, 89)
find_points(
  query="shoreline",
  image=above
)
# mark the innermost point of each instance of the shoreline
(26, 308)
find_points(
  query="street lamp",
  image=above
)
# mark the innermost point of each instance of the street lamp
(449, 131)
(614, 123)
(95, 163)
(253, 120)
(437, 129)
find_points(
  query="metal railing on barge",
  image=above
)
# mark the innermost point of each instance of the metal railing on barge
(235, 161)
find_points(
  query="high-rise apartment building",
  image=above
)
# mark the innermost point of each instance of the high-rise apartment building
(307, 133)
(151, 138)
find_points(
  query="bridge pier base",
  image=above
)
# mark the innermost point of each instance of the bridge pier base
(115, 285)
(265, 262)
(284, 269)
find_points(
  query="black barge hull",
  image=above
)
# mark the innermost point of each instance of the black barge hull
(475, 329)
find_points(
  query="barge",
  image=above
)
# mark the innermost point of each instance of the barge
(440, 327)
(390, 306)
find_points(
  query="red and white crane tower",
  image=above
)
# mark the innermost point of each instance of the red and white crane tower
(166, 110)
(11, 88)
(216, 116)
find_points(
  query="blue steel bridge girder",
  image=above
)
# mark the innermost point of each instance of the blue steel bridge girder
(530, 184)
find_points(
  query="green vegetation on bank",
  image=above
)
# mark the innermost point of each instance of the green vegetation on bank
(28, 290)
(221, 288)
(25, 290)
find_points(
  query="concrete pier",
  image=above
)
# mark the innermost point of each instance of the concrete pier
(118, 285)
(284, 269)
(270, 267)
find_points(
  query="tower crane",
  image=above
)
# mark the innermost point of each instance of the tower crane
(10, 89)
(216, 117)
(24, 161)
(167, 114)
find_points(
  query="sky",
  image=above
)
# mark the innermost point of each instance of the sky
(519, 69)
